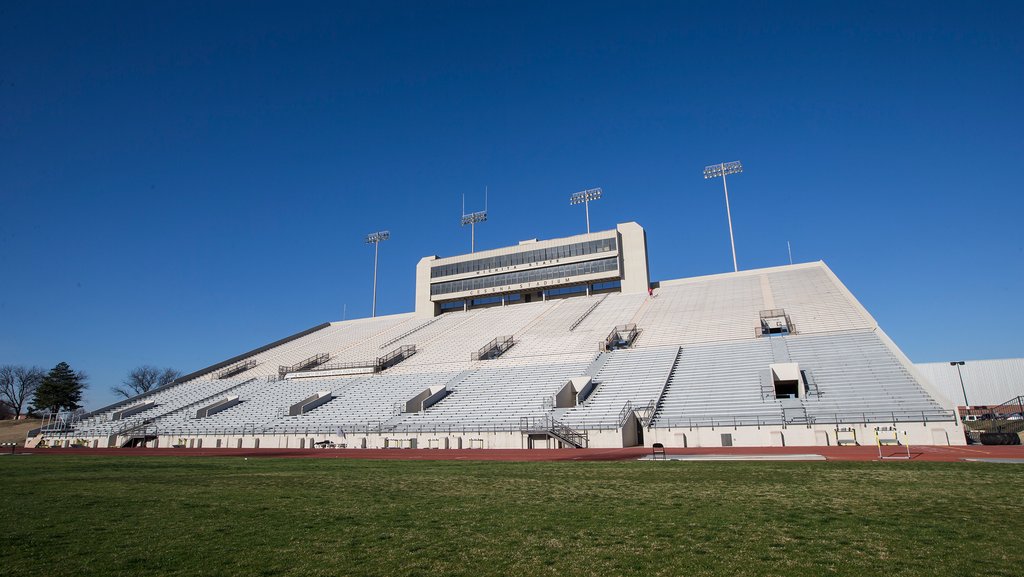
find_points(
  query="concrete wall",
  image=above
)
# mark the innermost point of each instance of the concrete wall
(633, 248)
(752, 436)
(802, 435)
(424, 306)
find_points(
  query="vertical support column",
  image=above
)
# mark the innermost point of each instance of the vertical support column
(728, 213)
(373, 310)
(633, 256)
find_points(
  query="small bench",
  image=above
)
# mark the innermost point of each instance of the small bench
(13, 446)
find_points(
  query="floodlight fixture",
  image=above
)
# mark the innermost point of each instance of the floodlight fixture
(584, 197)
(724, 169)
(375, 238)
(472, 218)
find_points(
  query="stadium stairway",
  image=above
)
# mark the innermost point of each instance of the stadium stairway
(653, 416)
(629, 377)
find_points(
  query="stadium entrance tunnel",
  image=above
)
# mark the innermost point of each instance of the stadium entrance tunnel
(787, 380)
(146, 441)
(787, 389)
(632, 432)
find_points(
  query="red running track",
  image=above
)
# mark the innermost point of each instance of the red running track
(865, 453)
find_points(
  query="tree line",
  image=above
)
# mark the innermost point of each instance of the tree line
(31, 390)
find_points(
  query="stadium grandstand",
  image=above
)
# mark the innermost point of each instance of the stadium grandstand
(557, 343)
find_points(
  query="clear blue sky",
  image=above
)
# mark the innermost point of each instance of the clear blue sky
(181, 182)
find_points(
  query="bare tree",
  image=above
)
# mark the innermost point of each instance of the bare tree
(18, 384)
(145, 378)
(6, 382)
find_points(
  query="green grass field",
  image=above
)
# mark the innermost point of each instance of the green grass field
(70, 515)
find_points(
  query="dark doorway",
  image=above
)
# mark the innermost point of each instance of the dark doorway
(787, 389)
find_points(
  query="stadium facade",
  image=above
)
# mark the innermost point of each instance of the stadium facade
(555, 343)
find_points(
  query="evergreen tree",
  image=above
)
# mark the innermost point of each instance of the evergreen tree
(61, 389)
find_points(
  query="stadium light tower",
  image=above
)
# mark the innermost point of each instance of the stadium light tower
(963, 389)
(375, 238)
(584, 197)
(723, 169)
(473, 218)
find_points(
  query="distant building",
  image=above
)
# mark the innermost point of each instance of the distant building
(988, 383)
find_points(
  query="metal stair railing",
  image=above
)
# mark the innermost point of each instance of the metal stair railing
(349, 365)
(812, 385)
(625, 413)
(566, 433)
(61, 422)
(128, 429)
(647, 413)
(545, 425)
(494, 349)
(586, 313)
(621, 337)
(309, 363)
(235, 369)
(409, 332)
(396, 356)
(764, 326)
(664, 389)
(797, 416)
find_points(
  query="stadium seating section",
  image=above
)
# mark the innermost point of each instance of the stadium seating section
(699, 360)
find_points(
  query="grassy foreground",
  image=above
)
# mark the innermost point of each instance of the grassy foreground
(223, 516)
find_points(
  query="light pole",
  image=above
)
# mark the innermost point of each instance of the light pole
(959, 364)
(471, 219)
(723, 169)
(375, 239)
(585, 196)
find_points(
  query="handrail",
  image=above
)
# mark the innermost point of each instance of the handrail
(396, 356)
(409, 332)
(572, 436)
(647, 413)
(350, 365)
(236, 368)
(652, 411)
(863, 417)
(625, 413)
(317, 359)
(549, 426)
(586, 313)
(621, 337)
(764, 327)
(494, 349)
